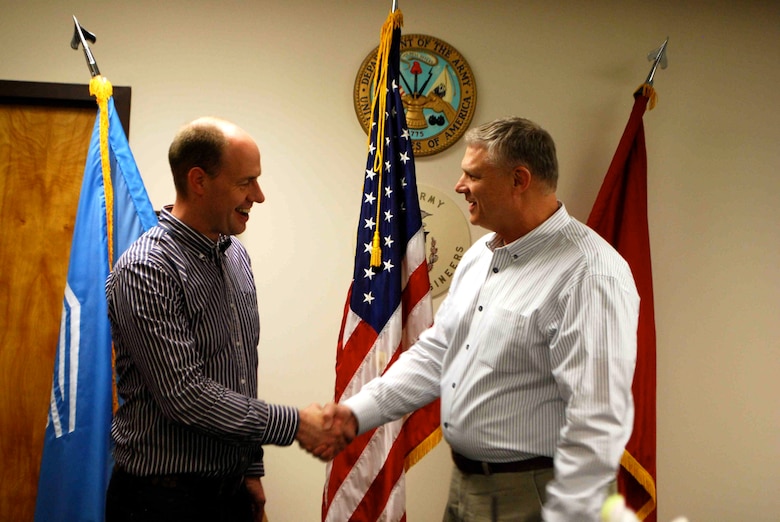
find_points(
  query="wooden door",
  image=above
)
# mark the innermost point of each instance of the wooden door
(43, 148)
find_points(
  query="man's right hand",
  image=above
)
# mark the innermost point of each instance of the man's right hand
(324, 432)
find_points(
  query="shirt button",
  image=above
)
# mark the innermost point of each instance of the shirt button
(467, 346)
(480, 308)
(453, 384)
(446, 424)
(495, 269)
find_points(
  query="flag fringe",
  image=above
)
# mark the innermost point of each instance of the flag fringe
(644, 478)
(422, 449)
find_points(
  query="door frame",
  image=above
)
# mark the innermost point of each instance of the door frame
(49, 94)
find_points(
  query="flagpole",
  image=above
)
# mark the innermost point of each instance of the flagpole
(395, 6)
(657, 56)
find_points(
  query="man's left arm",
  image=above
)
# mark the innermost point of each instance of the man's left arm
(593, 356)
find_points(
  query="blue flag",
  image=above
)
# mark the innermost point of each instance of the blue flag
(76, 463)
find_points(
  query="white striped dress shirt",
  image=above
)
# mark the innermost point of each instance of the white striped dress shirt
(185, 326)
(533, 354)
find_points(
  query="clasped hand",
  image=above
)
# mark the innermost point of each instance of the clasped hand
(325, 431)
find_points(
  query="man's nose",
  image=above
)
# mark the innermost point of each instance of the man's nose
(459, 186)
(257, 195)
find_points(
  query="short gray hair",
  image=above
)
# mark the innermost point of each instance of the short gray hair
(514, 141)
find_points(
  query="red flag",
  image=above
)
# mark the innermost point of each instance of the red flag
(619, 215)
(388, 306)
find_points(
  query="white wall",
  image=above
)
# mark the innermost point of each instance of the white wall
(285, 70)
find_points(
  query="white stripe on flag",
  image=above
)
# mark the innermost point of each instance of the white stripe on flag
(54, 415)
(59, 385)
(68, 344)
(75, 344)
(73, 348)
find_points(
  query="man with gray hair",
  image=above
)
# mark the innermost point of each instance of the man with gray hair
(532, 352)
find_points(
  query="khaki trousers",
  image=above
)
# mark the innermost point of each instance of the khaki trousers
(501, 497)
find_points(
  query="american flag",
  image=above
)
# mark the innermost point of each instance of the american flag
(387, 307)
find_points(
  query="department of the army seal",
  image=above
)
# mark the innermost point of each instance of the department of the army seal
(439, 92)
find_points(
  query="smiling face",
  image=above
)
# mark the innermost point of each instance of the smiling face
(487, 189)
(229, 195)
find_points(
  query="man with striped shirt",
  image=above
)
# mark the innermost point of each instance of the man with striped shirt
(190, 431)
(532, 352)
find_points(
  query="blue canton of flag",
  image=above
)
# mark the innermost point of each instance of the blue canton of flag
(77, 461)
(390, 205)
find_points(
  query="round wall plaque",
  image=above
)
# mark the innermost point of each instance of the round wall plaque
(447, 236)
(439, 92)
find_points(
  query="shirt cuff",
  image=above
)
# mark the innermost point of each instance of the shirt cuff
(366, 411)
(257, 468)
(282, 425)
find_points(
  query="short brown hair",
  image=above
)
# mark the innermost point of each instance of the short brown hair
(198, 144)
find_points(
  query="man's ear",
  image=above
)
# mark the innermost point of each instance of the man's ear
(521, 178)
(196, 179)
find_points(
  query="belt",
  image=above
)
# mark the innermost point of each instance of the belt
(186, 482)
(475, 467)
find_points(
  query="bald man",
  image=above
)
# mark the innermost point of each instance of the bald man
(182, 302)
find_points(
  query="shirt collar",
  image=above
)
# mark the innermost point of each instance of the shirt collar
(550, 227)
(191, 238)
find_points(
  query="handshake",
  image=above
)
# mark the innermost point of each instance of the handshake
(325, 431)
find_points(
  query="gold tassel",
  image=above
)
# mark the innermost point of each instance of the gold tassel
(376, 250)
(649, 92)
(394, 20)
(101, 89)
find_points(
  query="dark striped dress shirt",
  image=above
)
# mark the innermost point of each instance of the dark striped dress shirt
(532, 353)
(185, 325)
